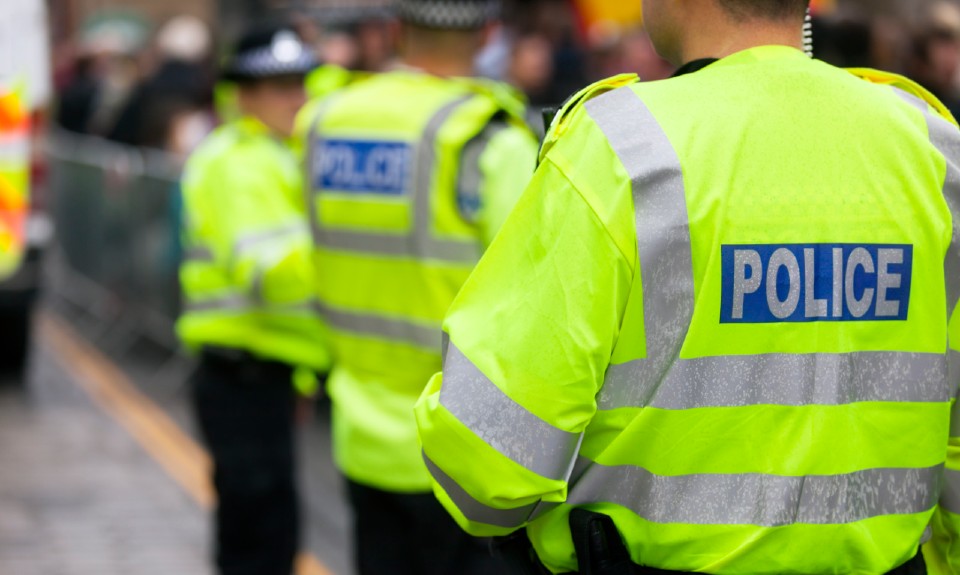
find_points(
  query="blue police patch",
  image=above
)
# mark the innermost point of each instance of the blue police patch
(815, 282)
(362, 167)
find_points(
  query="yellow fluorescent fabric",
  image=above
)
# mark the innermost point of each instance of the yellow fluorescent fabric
(247, 274)
(405, 192)
(14, 179)
(594, 356)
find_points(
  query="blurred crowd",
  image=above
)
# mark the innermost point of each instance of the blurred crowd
(156, 88)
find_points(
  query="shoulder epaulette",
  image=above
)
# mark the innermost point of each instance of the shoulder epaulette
(558, 124)
(510, 101)
(907, 85)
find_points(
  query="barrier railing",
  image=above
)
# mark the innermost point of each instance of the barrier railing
(116, 214)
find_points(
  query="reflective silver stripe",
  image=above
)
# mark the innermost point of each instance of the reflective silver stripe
(239, 303)
(914, 101)
(787, 379)
(473, 509)
(198, 254)
(312, 160)
(950, 497)
(420, 241)
(424, 172)
(946, 138)
(422, 335)
(503, 423)
(758, 499)
(470, 175)
(225, 303)
(663, 229)
(251, 240)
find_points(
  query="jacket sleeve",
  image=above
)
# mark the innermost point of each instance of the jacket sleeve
(244, 206)
(506, 167)
(943, 550)
(527, 342)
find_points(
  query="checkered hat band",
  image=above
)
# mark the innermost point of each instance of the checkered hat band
(261, 63)
(453, 15)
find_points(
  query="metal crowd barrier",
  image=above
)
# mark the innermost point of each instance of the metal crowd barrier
(116, 213)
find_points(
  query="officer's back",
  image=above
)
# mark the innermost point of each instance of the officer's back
(753, 376)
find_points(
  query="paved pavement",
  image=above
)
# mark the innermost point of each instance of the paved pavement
(100, 473)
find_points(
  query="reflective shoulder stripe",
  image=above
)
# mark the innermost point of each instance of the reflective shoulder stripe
(560, 120)
(400, 330)
(425, 170)
(905, 85)
(789, 379)
(503, 423)
(662, 224)
(476, 511)
(420, 242)
(312, 162)
(946, 138)
(759, 499)
(470, 176)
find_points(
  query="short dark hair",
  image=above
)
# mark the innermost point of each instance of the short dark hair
(765, 9)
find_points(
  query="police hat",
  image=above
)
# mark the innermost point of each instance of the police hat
(449, 14)
(267, 53)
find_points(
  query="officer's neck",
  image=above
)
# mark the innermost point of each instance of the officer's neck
(717, 36)
(438, 66)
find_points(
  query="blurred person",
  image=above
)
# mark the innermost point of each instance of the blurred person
(720, 331)
(248, 285)
(936, 53)
(637, 54)
(105, 75)
(410, 173)
(172, 107)
(531, 66)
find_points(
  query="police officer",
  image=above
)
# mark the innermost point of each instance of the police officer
(247, 281)
(411, 174)
(713, 336)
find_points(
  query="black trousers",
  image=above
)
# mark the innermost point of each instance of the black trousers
(412, 534)
(245, 409)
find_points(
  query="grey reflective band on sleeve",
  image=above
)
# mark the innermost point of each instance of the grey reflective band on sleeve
(232, 302)
(760, 499)
(946, 138)
(422, 335)
(503, 423)
(420, 241)
(238, 303)
(252, 240)
(663, 229)
(788, 379)
(472, 509)
(198, 254)
(950, 495)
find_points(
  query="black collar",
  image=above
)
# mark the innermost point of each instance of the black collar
(695, 66)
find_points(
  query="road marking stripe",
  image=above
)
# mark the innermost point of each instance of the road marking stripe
(179, 455)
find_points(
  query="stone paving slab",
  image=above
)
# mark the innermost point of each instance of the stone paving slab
(78, 496)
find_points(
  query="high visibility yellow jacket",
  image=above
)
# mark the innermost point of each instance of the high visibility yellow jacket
(247, 275)
(719, 315)
(410, 176)
(14, 179)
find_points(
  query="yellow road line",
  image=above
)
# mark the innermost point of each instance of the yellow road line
(179, 455)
